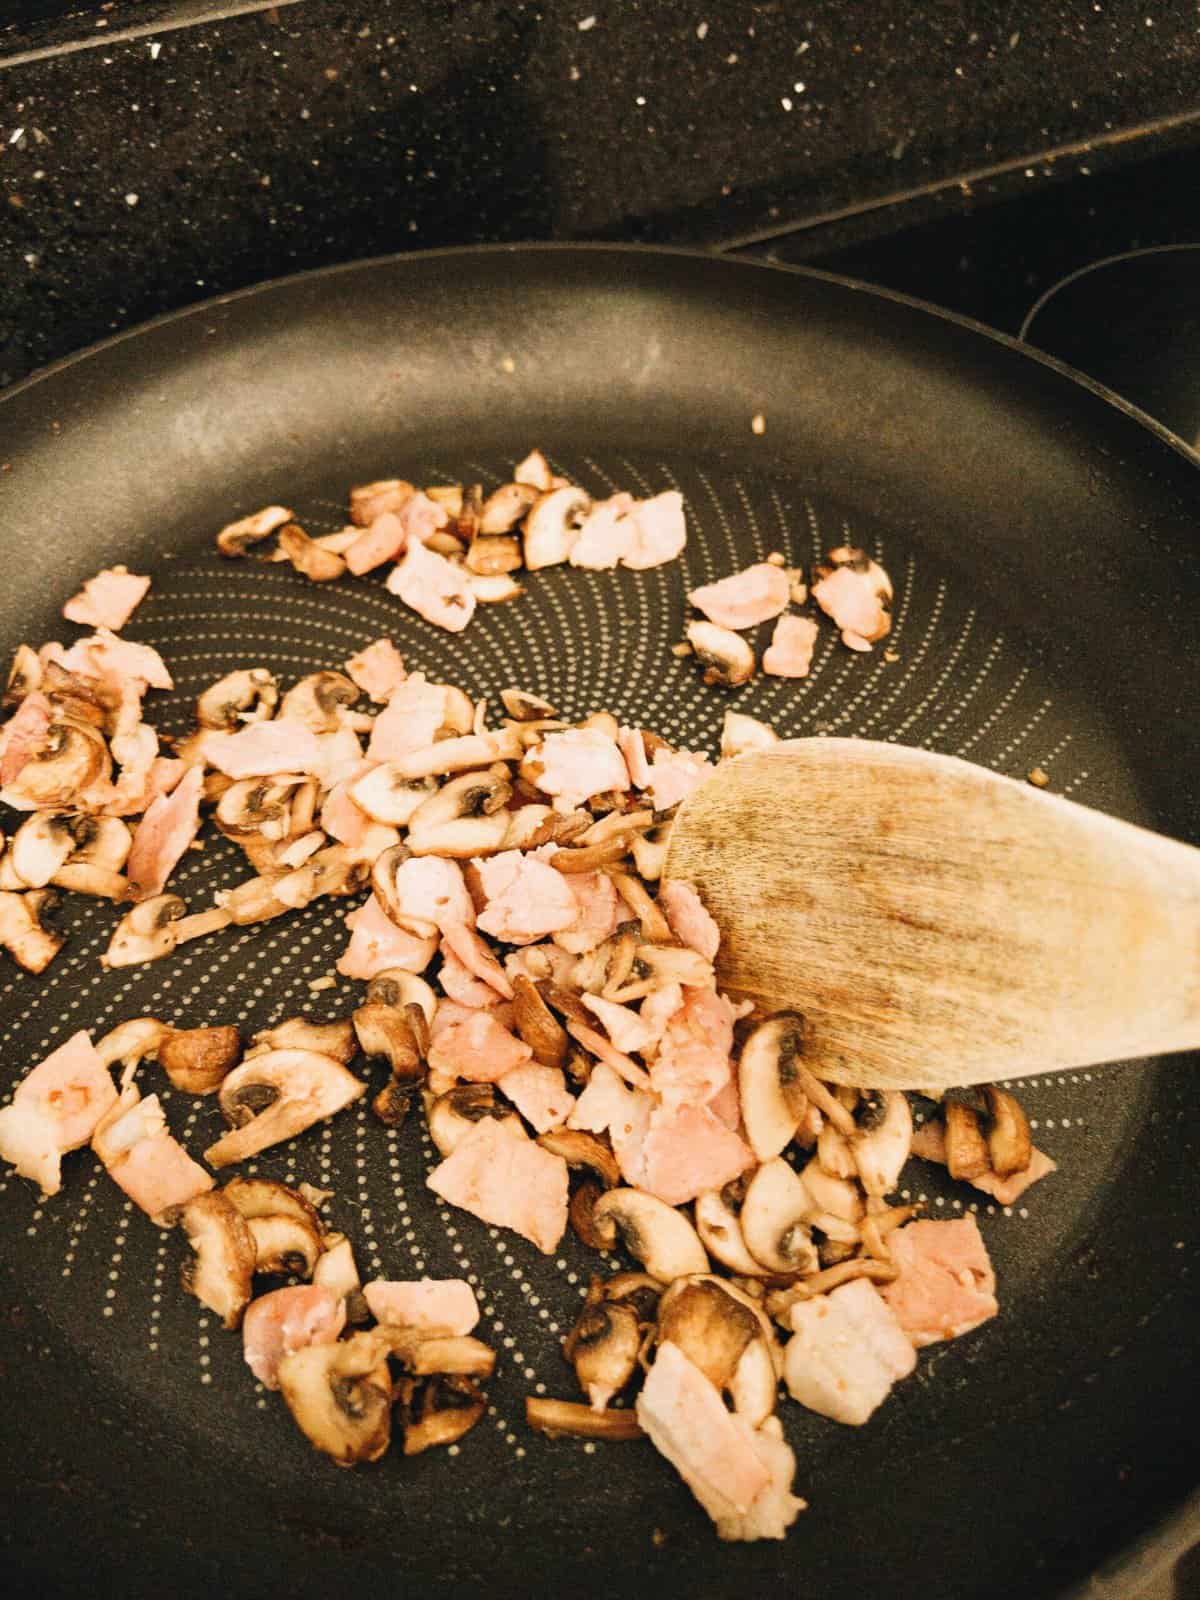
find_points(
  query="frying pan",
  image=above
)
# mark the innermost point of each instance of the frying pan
(1042, 541)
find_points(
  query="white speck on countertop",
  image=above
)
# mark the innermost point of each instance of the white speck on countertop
(574, 74)
(131, 199)
(702, 30)
(786, 103)
(758, 423)
(15, 135)
(1014, 39)
(641, 100)
(802, 47)
(585, 24)
(155, 48)
(731, 61)
(799, 88)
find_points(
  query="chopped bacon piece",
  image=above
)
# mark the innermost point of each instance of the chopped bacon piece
(286, 1320)
(502, 1177)
(689, 921)
(606, 534)
(23, 734)
(56, 1107)
(376, 944)
(108, 600)
(264, 749)
(686, 1151)
(745, 598)
(946, 1285)
(479, 1049)
(598, 912)
(378, 670)
(526, 899)
(659, 531)
(540, 1094)
(857, 593)
(673, 776)
(578, 763)
(414, 713)
(433, 588)
(447, 1304)
(790, 652)
(383, 540)
(164, 833)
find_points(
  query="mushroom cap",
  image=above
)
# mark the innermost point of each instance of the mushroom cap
(772, 1099)
(773, 1219)
(335, 1038)
(284, 1245)
(657, 1235)
(220, 1275)
(276, 1095)
(197, 1060)
(248, 695)
(453, 1114)
(264, 1197)
(341, 1396)
(719, 1225)
(727, 658)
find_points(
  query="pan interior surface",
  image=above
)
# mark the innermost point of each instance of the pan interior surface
(996, 1455)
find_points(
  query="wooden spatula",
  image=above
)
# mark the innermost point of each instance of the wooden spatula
(935, 923)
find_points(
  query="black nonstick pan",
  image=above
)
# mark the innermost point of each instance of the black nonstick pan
(1043, 543)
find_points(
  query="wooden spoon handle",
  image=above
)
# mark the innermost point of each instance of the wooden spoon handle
(938, 924)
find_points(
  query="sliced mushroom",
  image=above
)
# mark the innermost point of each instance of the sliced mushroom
(385, 1033)
(371, 500)
(248, 695)
(264, 1197)
(309, 558)
(197, 1060)
(40, 847)
(493, 555)
(219, 1273)
(966, 1147)
(727, 659)
(236, 538)
(335, 1269)
(400, 990)
(272, 1097)
(603, 1347)
(341, 1396)
(505, 507)
(581, 1214)
(24, 676)
(523, 706)
(754, 1386)
(711, 1327)
(80, 877)
(579, 1149)
(284, 1246)
(336, 1039)
(72, 756)
(1009, 1140)
(474, 794)
(493, 588)
(884, 1140)
(441, 1410)
(146, 933)
(774, 1219)
(552, 526)
(462, 840)
(537, 1024)
(740, 733)
(258, 806)
(657, 1235)
(335, 870)
(834, 1153)
(100, 842)
(388, 797)
(30, 944)
(650, 854)
(718, 1222)
(200, 924)
(781, 1301)
(319, 700)
(834, 1197)
(132, 1041)
(426, 1351)
(772, 1100)
(569, 1419)
(449, 496)
(453, 1114)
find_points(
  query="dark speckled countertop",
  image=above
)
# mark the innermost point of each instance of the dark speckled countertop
(159, 152)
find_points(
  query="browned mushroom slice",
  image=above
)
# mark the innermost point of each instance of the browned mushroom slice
(523, 706)
(81, 877)
(309, 559)
(453, 1114)
(537, 1025)
(439, 1411)
(505, 507)
(24, 676)
(284, 1245)
(552, 526)
(72, 756)
(132, 1041)
(603, 1347)
(710, 1326)
(264, 1197)
(200, 924)
(197, 1060)
(966, 1147)
(740, 733)
(579, 1149)
(718, 1222)
(335, 870)
(258, 806)
(248, 695)
(1009, 1140)
(319, 700)
(274, 1096)
(147, 933)
(30, 944)
(774, 1219)
(493, 555)
(334, 1038)
(40, 847)
(388, 797)
(335, 1269)
(581, 1214)
(385, 1033)
(772, 1099)
(237, 537)
(341, 1396)
(220, 1272)
(657, 1235)
(569, 1419)
(425, 1351)
(884, 1139)
(727, 659)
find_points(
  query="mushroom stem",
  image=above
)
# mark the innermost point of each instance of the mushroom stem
(569, 1419)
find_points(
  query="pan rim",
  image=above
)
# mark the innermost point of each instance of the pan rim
(534, 247)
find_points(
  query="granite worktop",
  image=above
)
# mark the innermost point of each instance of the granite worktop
(154, 152)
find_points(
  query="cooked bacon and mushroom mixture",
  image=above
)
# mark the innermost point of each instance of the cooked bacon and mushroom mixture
(531, 982)
(848, 586)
